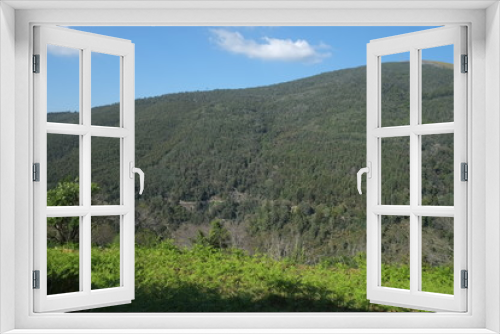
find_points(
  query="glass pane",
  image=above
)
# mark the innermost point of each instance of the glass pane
(437, 84)
(395, 171)
(395, 90)
(105, 233)
(437, 254)
(105, 89)
(63, 84)
(63, 170)
(63, 255)
(395, 252)
(437, 169)
(105, 171)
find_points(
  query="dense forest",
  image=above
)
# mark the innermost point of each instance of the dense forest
(275, 167)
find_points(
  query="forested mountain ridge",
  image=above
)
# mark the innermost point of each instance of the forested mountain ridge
(276, 164)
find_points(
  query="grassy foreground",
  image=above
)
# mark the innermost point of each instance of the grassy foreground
(204, 279)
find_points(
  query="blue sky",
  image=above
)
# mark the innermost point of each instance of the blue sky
(179, 59)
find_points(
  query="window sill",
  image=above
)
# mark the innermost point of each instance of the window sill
(248, 331)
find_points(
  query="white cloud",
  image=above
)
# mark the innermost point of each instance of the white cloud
(62, 51)
(271, 48)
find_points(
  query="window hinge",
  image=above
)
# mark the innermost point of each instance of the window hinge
(36, 63)
(464, 171)
(465, 63)
(36, 172)
(465, 279)
(36, 279)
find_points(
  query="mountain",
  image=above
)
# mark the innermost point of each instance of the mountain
(276, 164)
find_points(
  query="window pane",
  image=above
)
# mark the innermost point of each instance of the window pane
(63, 84)
(395, 171)
(437, 169)
(395, 90)
(63, 255)
(395, 252)
(437, 84)
(105, 252)
(105, 89)
(63, 170)
(105, 171)
(437, 254)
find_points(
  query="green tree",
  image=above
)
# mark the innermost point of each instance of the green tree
(218, 236)
(64, 230)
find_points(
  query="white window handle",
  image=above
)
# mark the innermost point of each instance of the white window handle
(141, 176)
(368, 171)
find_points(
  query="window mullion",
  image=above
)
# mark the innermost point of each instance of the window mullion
(81, 177)
(414, 172)
(85, 182)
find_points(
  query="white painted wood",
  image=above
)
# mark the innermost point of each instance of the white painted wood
(413, 43)
(7, 166)
(83, 103)
(85, 182)
(75, 129)
(258, 331)
(40, 156)
(418, 178)
(393, 131)
(434, 211)
(83, 40)
(95, 210)
(106, 131)
(246, 4)
(460, 155)
(492, 156)
(418, 129)
(392, 210)
(415, 168)
(419, 210)
(471, 322)
(372, 156)
(433, 129)
(479, 218)
(127, 233)
(86, 298)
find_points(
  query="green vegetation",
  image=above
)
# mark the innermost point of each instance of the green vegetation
(207, 279)
(267, 175)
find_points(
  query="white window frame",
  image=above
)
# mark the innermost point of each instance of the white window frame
(414, 43)
(85, 43)
(484, 146)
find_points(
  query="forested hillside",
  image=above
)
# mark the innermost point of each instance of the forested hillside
(275, 165)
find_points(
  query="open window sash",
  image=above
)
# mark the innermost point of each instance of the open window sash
(415, 297)
(84, 296)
